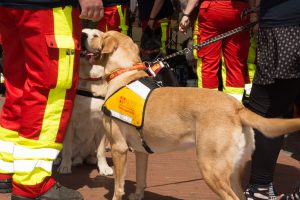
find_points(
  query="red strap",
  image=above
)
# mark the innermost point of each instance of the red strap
(116, 73)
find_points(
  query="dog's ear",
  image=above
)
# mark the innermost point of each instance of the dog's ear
(109, 44)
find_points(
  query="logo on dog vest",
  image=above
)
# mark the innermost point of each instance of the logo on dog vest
(128, 103)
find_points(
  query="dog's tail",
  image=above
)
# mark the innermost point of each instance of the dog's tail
(270, 127)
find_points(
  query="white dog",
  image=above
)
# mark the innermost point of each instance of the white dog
(85, 131)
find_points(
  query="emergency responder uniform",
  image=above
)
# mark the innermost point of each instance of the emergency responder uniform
(162, 20)
(116, 16)
(232, 51)
(41, 49)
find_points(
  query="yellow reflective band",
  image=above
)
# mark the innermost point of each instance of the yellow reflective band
(37, 144)
(8, 135)
(223, 72)
(33, 160)
(29, 165)
(236, 92)
(251, 59)
(63, 30)
(7, 157)
(199, 72)
(164, 28)
(6, 147)
(123, 26)
(7, 140)
(195, 37)
(63, 22)
(52, 116)
(41, 153)
(6, 167)
(36, 176)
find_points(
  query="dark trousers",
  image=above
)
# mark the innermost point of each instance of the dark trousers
(274, 100)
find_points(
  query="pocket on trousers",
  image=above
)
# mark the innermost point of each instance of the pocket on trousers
(203, 8)
(61, 49)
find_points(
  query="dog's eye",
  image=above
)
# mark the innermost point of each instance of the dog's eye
(95, 35)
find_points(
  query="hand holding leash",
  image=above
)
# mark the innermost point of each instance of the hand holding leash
(183, 25)
(91, 9)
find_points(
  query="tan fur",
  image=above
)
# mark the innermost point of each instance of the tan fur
(214, 123)
(85, 139)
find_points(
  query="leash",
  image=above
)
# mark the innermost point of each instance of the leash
(209, 41)
(88, 94)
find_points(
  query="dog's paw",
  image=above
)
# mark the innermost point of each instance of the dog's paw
(77, 161)
(64, 169)
(134, 196)
(105, 170)
(57, 161)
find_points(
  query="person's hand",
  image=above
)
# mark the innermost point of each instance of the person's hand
(91, 9)
(151, 23)
(183, 25)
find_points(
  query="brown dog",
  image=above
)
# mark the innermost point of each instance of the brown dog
(177, 118)
(84, 140)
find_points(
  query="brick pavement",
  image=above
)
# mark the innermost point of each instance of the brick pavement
(172, 176)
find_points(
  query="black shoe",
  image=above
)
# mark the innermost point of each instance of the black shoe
(294, 195)
(5, 186)
(56, 192)
(260, 192)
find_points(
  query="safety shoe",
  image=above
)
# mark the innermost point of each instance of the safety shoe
(260, 192)
(5, 186)
(56, 192)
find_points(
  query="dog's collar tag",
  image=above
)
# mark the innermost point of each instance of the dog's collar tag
(154, 68)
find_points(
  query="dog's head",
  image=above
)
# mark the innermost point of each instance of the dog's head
(113, 50)
(87, 69)
(91, 77)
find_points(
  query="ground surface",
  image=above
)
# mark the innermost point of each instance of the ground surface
(172, 176)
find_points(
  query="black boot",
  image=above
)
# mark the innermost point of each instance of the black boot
(5, 186)
(56, 192)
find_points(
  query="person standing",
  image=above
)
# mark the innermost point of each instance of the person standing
(216, 17)
(156, 14)
(116, 16)
(41, 43)
(275, 86)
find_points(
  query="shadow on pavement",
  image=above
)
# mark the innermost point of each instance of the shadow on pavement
(87, 178)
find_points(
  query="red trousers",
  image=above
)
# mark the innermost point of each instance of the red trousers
(41, 62)
(112, 18)
(217, 17)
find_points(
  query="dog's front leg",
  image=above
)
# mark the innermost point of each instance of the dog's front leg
(141, 176)
(104, 168)
(119, 155)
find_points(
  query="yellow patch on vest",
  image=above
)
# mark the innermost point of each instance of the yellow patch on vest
(127, 104)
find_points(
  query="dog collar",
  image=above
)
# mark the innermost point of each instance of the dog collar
(88, 94)
(92, 79)
(151, 68)
(118, 72)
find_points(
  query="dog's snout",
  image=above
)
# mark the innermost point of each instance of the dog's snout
(84, 37)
